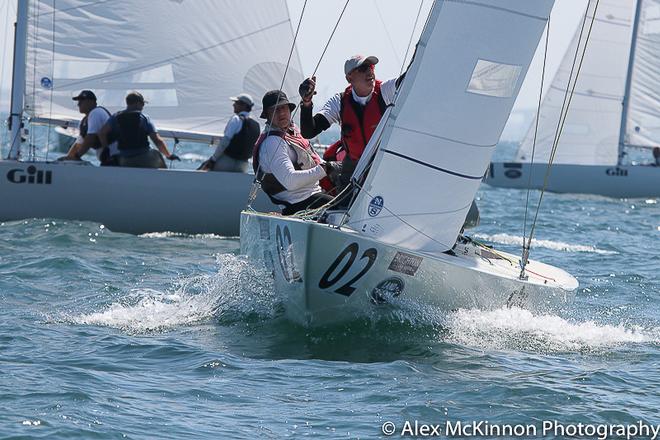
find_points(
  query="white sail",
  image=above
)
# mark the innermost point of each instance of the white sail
(438, 140)
(7, 19)
(643, 122)
(186, 57)
(591, 132)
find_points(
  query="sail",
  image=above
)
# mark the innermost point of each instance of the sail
(452, 107)
(591, 132)
(643, 121)
(186, 57)
(7, 19)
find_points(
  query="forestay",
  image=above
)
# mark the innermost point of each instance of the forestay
(643, 122)
(591, 132)
(438, 140)
(186, 57)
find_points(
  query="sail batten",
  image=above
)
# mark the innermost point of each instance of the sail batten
(450, 112)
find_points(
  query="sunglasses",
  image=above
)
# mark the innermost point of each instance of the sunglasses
(365, 68)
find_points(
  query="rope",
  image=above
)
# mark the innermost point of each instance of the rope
(560, 126)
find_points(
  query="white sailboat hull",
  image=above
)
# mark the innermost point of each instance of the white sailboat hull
(133, 200)
(327, 275)
(628, 181)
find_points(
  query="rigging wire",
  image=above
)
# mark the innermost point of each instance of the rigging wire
(257, 183)
(560, 126)
(52, 75)
(332, 34)
(389, 37)
(536, 129)
(255, 186)
(412, 34)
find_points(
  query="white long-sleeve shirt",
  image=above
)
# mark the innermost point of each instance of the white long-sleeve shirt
(276, 157)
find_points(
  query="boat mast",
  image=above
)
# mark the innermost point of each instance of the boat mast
(18, 80)
(626, 95)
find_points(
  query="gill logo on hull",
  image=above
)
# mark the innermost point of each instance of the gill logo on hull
(616, 171)
(30, 176)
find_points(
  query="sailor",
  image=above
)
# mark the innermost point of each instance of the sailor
(357, 109)
(284, 161)
(90, 126)
(132, 129)
(235, 148)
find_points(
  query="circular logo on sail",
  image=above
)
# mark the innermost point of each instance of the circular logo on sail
(46, 82)
(375, 206)
(386, 290)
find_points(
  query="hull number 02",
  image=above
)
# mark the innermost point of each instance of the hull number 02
(351, 251)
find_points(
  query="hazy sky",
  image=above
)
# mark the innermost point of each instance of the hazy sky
(374, 27)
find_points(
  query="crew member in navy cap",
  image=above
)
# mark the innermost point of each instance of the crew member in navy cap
(90, 126)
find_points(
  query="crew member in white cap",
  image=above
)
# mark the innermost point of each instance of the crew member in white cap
(357, 109)
(235, 147)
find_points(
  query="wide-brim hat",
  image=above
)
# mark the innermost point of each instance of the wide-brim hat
(274, 98)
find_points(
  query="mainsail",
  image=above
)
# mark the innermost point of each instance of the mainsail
(186, 57)
(592, 131)
(438, 139)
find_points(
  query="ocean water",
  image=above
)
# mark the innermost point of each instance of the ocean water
(110, 336)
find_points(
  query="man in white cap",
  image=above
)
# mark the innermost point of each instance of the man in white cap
(235, 147)
(357, 109)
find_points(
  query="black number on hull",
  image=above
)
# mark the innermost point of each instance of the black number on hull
(351, 251)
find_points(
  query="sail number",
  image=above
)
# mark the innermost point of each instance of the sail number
(351, 251)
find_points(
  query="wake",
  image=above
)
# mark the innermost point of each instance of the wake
(548, 244)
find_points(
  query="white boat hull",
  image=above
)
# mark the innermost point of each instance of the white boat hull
(629, 181)
(133, 200)
(327, 275)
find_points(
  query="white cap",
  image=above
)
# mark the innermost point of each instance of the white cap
(356, 61)
(244, 98)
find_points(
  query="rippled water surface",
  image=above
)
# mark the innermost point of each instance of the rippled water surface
(106, 335)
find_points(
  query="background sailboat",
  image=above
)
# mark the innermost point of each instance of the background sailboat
(614, 117)
(401, 235)
(187, 58)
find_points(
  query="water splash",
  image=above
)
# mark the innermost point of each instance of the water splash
(520, 329)
(548, 244)
(238, 291)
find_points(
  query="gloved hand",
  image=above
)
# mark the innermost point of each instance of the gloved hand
(173, 157)
(307, 89)
(333, 171)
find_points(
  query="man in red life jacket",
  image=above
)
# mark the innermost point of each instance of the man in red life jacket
(284, 161)
(357, 109)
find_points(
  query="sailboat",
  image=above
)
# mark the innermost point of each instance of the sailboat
(400, 239)
(614, 114)
(186, 58)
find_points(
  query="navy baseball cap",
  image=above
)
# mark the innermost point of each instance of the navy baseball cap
(85, 94)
